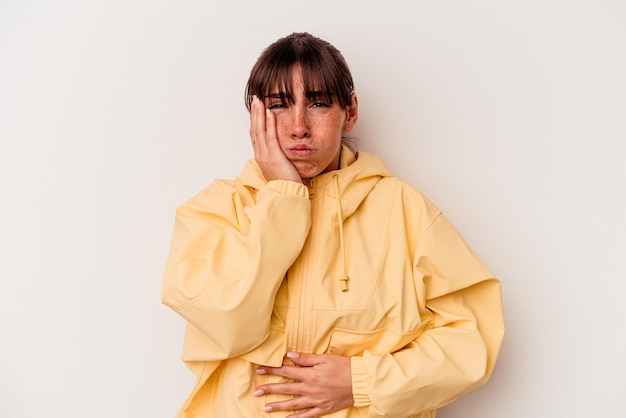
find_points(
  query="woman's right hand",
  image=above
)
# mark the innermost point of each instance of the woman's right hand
(267, 152)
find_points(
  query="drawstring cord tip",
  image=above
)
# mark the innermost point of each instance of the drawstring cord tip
(343, 283)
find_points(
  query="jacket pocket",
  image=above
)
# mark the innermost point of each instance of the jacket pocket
(353, 343)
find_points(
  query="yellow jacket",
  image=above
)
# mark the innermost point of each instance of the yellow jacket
(356, 263)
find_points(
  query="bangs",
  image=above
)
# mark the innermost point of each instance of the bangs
(315, 82)
(324, 71)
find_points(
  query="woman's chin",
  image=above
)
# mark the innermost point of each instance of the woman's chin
(307, 171)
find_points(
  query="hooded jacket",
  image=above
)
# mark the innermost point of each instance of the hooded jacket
(355, 262)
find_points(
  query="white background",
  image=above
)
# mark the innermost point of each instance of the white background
(509, 115)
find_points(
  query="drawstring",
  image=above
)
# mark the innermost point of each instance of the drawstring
(343, 280)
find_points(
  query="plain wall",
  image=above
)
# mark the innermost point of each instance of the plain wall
(509, 115)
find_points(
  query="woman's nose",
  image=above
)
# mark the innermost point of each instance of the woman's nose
(299, 123)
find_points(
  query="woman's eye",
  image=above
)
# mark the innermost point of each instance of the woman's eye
(320, 104)
(276, 105)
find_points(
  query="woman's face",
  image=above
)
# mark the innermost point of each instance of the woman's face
(310, 129)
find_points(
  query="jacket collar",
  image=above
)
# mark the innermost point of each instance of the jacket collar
(357, 175)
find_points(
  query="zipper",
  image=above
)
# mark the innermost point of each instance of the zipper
(307, 295)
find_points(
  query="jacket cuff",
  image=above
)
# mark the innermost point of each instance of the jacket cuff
(289, 187)
(359, 382)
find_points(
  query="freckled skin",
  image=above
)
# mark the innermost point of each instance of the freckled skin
(309, 130)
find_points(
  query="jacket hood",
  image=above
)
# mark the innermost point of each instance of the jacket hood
(358, 174)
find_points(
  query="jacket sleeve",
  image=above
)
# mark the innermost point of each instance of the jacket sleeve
(458, 350)
(227, 259)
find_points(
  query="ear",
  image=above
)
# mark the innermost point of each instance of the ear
(352, 114)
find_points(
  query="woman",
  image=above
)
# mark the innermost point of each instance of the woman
(315, 283)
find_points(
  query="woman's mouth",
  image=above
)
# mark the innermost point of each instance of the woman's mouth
(301, 151)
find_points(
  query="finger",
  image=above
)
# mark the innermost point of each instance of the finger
(306, 359)
(288, 388)
(289, 372)
(299, 403)
(253, 121)
(257, 124)
(261, 125)
(295, 404)
(270, 131)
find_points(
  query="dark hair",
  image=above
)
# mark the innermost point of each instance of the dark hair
(324, 70)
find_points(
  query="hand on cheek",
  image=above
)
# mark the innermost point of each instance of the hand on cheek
(267, 152)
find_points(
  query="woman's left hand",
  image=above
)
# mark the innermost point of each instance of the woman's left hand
(322, 383)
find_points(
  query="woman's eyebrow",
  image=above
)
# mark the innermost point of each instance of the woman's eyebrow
(311, 95)
(319, 95)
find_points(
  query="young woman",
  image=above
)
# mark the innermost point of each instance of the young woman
(316, 283)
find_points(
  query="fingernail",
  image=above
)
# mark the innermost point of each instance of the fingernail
(255, 101)
(267, 408)
(267, 113)
(291, 354)
(258, 392)
(261, 371)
